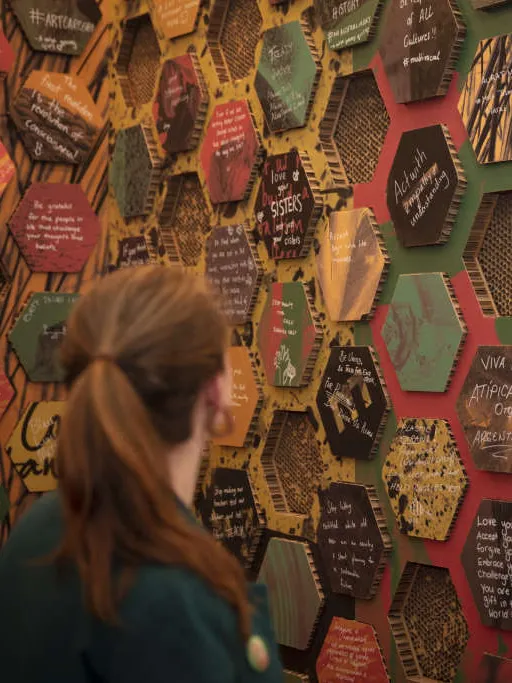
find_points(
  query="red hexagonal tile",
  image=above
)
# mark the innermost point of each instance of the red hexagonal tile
(6, 393)
(288, 205)
(230, 152)
(7, 169)
(289, 337)
(55, 228)
(56, 117)
(6, 55)
(346, 24)
(54, 27)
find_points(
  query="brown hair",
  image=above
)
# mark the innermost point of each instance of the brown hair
(139, 348)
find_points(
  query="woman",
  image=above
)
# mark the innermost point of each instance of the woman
(112, 581)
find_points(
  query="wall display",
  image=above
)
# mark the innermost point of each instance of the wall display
(230, 152)
(487, 561)
(428, 624)
(7, 169)
(6, 393)
(55, 228)
(181, 103)
(348, 23)
(352, 264)
(246, 399)
(424, 332)
(353, 539)
(352, 402)
(38, 332)
(56, 117)
(289, 337)
(350, 654)
(62, 27)
(420, 46)
(484, 101)
(425, 187)
(292, 462)
(174, 18)
(288, 205)
(494, 670)
(133, 251)
(287, 76)
(425, 478)
(295, 594)
(32, 445)
(233, 267)
(230, 510)
(135, 170)
(6, 56)
(484, 408)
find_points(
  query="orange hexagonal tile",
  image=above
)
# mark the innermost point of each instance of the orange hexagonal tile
(174, 18)
(32, 445)
(351, 652)
(346, 24)
(352, 265)
(246, 399)
(230, 152)
(7, 169)
(425, 478)
(56, 117)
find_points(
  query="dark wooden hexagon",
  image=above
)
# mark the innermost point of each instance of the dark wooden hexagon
(289, 336)
(55, 228)
(287, 76)
(353, 539)
(288, 205)
(484, 408)
(425, 187)
(420, 47)
(6, 56)
(352, 402)
(232, 514)
(346, 24)
(56, 117)
(50, 26)
(487, 561)
(230, 152)
(133, 251)
(233, 267)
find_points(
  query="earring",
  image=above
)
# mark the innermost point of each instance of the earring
(221, 424)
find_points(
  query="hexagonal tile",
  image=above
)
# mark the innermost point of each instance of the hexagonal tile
(6, 55)
(352, 264)
(135, 170)
(428, 624)
(484, 100)
(355, 106)
(51, 27)
(38, 332)
(287, 76)
(292, 462)
(425, 187)
(138, 61)
(289, 337)
(288, 205)
(352, 402)
(232, 46)
(346, 24)
(425, 478)
(424, 332)
(420, 47)
(33, 444)
(488, 254)
(181, 102)
(246, 399)
(295, 594)
(353, 539)
(6, 393)
(55, 228)
(133, 251)
(230, 152)
(351, 652)
(487, 561)
(484, 408)
(174, 18)
(56, 118)
(233, 267)
(5, 504)
(7, 168)
(230, 510)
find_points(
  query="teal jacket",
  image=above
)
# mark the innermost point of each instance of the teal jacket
(174, 628)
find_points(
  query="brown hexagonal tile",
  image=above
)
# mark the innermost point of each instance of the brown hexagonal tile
(355, 106)
(175, 18)
(420, 46)
(352, 265)
(428, 624)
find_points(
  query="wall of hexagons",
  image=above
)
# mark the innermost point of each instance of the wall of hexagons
(341, 170)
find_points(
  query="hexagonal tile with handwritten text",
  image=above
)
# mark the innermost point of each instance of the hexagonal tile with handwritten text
(174, 18)
(348, 23)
